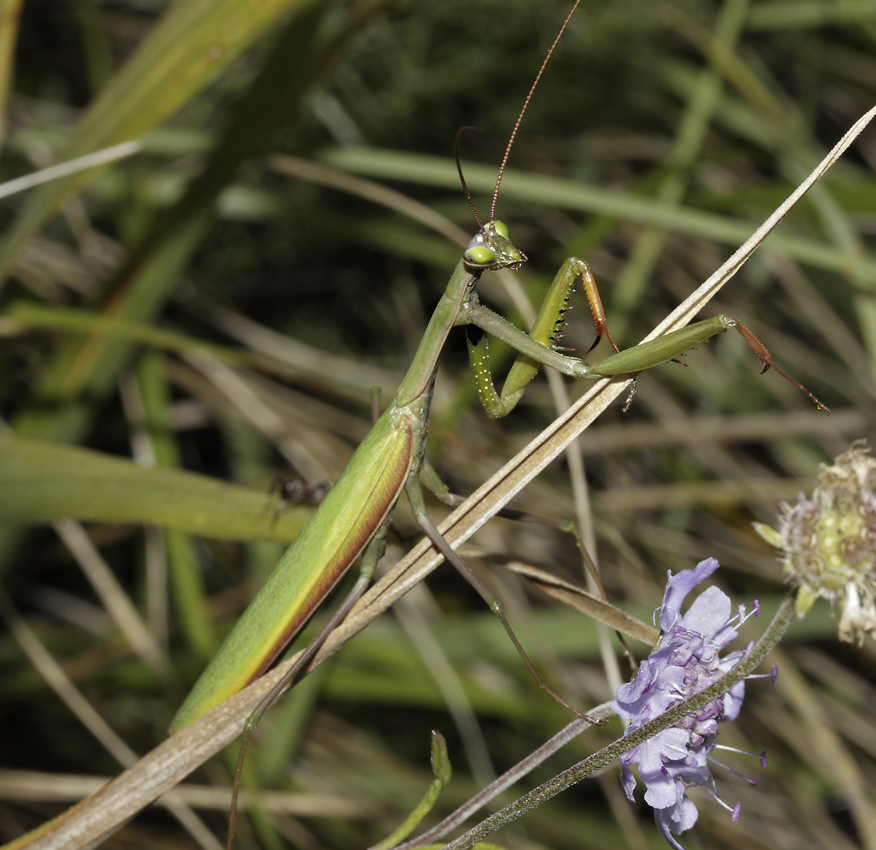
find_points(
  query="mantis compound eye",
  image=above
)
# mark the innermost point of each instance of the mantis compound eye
(479, 256)
(502, 229)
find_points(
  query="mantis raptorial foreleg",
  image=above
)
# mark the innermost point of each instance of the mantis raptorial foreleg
(546, 331)
(535, 349)
(672, 345)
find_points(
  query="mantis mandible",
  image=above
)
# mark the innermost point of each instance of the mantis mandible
(352, 521)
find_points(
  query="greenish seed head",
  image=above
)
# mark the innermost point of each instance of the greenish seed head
(828, 541)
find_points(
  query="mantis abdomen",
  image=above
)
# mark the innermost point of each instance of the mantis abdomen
(331, 541)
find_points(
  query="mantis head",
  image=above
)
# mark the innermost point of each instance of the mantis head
(491, 249)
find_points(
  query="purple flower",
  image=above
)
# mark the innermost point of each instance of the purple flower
(686, 660)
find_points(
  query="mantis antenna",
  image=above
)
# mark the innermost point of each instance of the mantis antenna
(517, 123)
(514, 130)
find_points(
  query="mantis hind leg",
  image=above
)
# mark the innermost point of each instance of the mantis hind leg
(415, 496)
(432, 481)
(672, 345)
(546, 331)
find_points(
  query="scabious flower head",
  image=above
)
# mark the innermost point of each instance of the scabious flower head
(828, 542)
(686, 660)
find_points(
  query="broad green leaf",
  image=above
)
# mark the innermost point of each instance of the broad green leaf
(42, 482)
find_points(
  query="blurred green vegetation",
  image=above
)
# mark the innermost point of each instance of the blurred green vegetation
(196, 308)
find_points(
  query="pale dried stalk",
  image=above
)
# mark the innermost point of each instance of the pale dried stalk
(168, 764)
(73, 166)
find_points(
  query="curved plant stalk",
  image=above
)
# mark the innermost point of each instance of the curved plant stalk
(71, 167)
(442, 773)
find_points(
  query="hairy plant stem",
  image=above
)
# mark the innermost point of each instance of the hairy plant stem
(605, 756)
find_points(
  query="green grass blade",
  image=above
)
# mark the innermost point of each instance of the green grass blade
(42, 482)
(9, 13)
(561, 193)
(191, 45)
(186, 581)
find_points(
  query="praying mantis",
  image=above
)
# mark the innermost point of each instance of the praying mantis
(351, 523)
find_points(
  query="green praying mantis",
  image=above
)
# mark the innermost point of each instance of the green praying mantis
(351, 523)
(354, 517)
